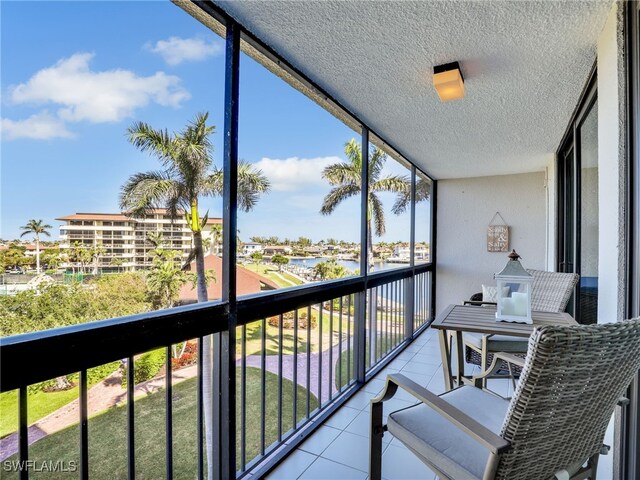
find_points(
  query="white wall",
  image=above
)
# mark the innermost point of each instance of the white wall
(611, 161)
(465, 208)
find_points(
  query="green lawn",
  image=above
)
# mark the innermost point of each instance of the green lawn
(108, 441)
(272, 274)
(40, 404)
(384, 345)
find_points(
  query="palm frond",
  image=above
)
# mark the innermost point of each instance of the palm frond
(353, 151)
(377, 159)
(423, 190)
(251, 184)
(392, 183)
(339, 173)
(378, 214)
(337, 195)
(143, 192)
(146, 138)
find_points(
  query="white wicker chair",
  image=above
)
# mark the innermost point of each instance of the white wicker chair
(550, 292)
(571, 380)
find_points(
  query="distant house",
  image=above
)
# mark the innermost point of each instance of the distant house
(313, 250)
(247, 282)
(277, 249)
(249, 248)
(402, 251)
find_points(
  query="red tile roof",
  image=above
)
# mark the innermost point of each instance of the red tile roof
(246, 281)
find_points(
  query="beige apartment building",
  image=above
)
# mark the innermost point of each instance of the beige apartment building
(124, 239)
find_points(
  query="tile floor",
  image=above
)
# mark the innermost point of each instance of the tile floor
(339, 449)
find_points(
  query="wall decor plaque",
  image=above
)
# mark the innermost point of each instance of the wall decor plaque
(497, 235)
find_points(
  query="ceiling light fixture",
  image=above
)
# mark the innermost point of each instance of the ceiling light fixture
(448, 81)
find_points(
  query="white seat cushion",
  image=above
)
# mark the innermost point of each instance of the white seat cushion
(439, 442)
(498, 343)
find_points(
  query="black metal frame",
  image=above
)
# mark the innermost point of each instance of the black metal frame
(628, 441)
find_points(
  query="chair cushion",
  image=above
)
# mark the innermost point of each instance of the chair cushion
(441, 443)
(498, 343)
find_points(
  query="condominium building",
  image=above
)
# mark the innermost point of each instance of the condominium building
(123, 240)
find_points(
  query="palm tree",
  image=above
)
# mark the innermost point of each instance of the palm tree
(37, 228)
(163, 284)
(423, 190)
(346, 178)
(187, 176)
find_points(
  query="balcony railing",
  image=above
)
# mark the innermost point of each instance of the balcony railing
(300, 354)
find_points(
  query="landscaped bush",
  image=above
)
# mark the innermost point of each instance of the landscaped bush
(288, 320)
(94, 375)
(188, 357)
(146, 366)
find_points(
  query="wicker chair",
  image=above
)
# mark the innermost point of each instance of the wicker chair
(550, 292)
(555, 423)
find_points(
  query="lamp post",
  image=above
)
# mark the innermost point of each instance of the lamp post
(514, 292)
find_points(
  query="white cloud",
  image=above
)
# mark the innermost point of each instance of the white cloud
(176, 50)
(40, 126)
(106, 96)
(291, 174)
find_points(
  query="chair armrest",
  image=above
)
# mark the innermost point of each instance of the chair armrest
(494, 443)
(498, 358)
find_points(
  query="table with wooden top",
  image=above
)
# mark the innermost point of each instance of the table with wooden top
(456, 319)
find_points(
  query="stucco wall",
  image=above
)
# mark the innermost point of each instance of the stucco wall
(611, 182)
(465, 208)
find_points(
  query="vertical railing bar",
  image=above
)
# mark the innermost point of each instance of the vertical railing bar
(281, 319)
(349, 316)
(394, 313)
(309, 361)
(366, 243)
(243, 395)
(263, 386)
(339, 372)
(200, 409)
(131, 448)
(331, 349)
(168, 413)
(23, 440)
(386, 320)
(84, 427)
(320, 355)
(295, 368)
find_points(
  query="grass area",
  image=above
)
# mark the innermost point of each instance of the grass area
(108, 436)
(273, 274)
(40, 404)
(384, 345)
(254, 335)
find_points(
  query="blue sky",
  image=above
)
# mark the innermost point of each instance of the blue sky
(75, 75)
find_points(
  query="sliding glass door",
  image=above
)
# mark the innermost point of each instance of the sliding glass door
(578, 207)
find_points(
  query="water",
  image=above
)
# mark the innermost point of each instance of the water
(348, 264)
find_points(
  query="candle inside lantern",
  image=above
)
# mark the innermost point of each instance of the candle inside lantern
(507, 306)
(520, 301)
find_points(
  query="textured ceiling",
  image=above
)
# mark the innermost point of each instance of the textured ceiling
(525, 64)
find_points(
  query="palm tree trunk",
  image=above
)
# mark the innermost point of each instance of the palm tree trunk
(37, 254)
(207, 345)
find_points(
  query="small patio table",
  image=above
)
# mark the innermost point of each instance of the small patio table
(470, 318)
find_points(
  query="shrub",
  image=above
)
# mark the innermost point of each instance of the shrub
(288, 320)
(188, 357)
(94, 375)
(146, 366)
